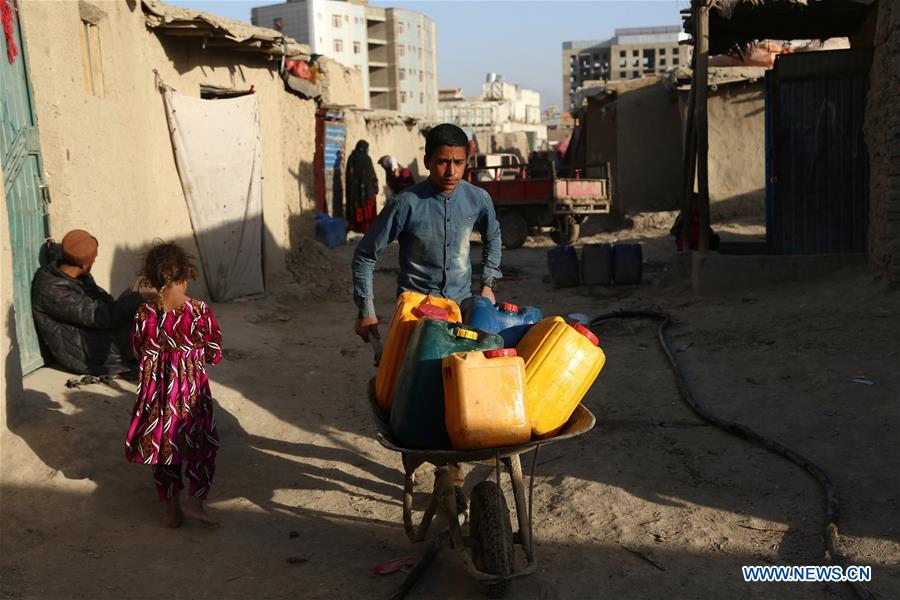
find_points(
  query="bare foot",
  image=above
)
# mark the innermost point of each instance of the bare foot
(174, 516)
(193, 509)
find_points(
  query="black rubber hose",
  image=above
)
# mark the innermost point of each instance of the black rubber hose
(832, 506)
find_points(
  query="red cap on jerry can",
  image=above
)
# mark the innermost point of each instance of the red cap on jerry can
(509, 307)
(500, 353)
(586, 333)
(430, 311)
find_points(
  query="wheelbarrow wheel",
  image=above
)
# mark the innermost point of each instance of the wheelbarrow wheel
(494, 549)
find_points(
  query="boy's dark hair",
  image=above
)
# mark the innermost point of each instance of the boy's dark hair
(445, 134)
(167, 263)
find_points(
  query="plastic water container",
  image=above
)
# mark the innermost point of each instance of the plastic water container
(628, 264)
(484, 397)
(561, 363)
(410, 307)
(417, 415)
(562, 262)
(596, 264)
(509, 320)
(330, 232)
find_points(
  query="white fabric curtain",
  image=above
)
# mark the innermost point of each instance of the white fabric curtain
(219, 157)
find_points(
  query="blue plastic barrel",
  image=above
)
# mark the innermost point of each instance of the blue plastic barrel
(596, 264)
(562, 262)
(330, 231)
(628, 264)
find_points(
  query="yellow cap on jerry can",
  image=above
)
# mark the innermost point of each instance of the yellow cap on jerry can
(466, 333)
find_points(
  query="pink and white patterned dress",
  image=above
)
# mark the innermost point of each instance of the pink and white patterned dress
(173, 421)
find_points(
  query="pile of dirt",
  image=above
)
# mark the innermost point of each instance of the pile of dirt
(317, 272)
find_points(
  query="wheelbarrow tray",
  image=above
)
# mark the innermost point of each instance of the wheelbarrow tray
(581, 421)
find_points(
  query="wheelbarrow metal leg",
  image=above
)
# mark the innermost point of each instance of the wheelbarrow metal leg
(410, 465)
(522, 515)
(446, 496)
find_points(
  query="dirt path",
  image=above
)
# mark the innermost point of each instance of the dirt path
(309, 501)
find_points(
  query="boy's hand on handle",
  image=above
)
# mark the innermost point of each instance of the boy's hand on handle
(367, 326)
(488, 293)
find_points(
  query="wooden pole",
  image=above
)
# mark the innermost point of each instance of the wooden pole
(689, 165)
(702, 60)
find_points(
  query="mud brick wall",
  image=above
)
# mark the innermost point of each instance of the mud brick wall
(882, 130)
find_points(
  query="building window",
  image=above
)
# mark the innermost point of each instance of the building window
(401, 28)
(635, 52)
(622, 53)
(278, 24)
(356, 48)
(402, 50)
(623, 62)
(336, 20)
(420, 53)
(91, 59)
(421, 98)
(421, 76)
(621, 74)
(338, 45)
(403, 97)
(636, 62)
(402, 74)
(662, 61)
(674, 60)
(662, 51)
(346, 18)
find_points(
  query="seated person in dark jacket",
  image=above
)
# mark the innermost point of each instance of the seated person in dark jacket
(82, 326)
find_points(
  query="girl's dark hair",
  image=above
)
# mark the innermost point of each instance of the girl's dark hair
(445, 134)
(167, 263)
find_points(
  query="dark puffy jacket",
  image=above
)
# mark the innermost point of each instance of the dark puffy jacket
(82, 326)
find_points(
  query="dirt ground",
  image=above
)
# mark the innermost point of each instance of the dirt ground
(310, 501)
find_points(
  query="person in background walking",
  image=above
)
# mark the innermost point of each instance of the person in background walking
(362, 186)
(175, 337)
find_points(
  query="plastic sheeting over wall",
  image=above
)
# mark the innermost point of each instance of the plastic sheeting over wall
(219, 156)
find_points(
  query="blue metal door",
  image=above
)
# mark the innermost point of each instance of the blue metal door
(817, 190)
(335, 134)
(25, 191)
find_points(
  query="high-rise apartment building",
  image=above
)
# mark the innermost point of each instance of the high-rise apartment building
(395, 49)
(633, 52)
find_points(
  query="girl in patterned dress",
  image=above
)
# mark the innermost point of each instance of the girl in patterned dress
(174, 338)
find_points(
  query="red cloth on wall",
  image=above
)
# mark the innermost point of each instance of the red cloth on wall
(7, 15)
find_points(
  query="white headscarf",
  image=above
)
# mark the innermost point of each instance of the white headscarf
(389, 162)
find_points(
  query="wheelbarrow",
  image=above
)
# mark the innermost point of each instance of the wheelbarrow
(487, 545)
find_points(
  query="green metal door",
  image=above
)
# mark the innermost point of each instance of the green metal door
(23, 183)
